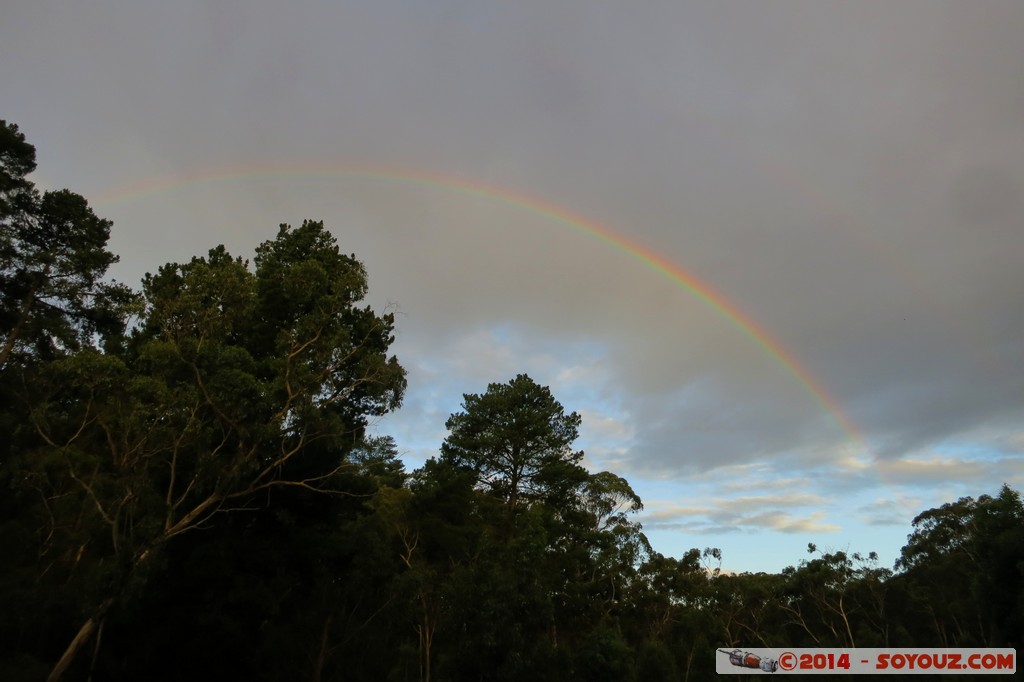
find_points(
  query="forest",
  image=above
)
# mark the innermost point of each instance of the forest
(190, 490)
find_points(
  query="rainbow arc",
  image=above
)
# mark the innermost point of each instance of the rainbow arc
(651, 259)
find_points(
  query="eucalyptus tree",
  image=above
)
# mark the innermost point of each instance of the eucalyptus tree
(978, 545)
(238, 380)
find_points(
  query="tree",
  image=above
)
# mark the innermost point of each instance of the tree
(1000, 548)
(516, 439)
(53, 303)
(301, 586)
(17, 160)
(234, 384)
(609, 498)
(819, 597)
(554, 553)
(972, 543)
(53, 299)
(655, 663)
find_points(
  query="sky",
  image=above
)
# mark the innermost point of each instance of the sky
(772, 253)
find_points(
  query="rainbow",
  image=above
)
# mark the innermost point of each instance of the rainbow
(547, 210)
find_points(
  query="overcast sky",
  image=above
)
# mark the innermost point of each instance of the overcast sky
(848, 175)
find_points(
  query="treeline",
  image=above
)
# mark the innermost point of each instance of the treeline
(189, 492)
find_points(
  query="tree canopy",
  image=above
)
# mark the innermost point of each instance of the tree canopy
(516, 440)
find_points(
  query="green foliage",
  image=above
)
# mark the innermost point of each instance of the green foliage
(977, 544)
(53, 257)
(609, 498)
(227, 389)
(604, 655)
(655, 663)
(17, 160)
(523, 551)
(516, 440)
(999, 543)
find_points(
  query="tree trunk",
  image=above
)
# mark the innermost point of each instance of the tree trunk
(425, 632)
(324, 652)
(84, 633)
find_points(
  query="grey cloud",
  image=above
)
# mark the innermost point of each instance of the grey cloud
(848, 175)
(884, 513)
